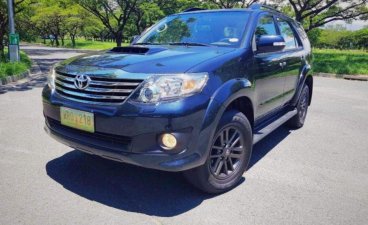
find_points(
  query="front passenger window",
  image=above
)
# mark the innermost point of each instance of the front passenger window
(266, 26)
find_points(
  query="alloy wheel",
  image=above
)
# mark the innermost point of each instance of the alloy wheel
(227, 152)
(303, 105)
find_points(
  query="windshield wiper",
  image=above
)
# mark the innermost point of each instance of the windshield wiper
(188, 44)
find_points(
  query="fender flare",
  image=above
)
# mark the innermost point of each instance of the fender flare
(222, 98)
(305, 73)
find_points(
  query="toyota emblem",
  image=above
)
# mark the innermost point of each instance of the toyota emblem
(82, 81)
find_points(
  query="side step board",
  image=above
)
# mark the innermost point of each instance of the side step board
(260, 134)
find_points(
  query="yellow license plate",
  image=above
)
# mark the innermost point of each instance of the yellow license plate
(77, 119)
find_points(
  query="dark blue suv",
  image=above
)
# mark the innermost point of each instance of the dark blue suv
(193, 93)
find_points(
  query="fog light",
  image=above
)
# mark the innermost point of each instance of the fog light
(168, 141)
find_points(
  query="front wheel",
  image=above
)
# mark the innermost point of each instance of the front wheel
(302, 108)
(228, 157)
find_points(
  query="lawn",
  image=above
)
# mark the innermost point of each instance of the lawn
(9, 69)
(351, 62)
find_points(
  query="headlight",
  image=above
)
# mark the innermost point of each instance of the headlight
(51, 79)
(165, 87)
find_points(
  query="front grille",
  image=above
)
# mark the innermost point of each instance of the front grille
(101, 90)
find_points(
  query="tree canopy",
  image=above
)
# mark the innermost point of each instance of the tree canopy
(119, 20)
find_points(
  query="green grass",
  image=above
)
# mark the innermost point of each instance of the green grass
(9, 69)
(85, 45)
(351, 62)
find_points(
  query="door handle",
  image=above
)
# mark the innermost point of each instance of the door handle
(283, 64)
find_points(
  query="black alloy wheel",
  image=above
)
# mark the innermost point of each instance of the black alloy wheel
(227, 152)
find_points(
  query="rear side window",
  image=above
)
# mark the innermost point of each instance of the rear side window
(288, 34)
(301, 30)
(266, 26)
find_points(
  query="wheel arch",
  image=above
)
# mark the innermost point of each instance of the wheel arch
(305, 78)
(234, 94)
(309, 83)
(229, 96)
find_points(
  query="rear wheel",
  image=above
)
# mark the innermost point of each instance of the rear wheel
(228, 157)
(302, 108)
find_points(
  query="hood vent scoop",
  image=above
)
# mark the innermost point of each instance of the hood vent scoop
(137, 50)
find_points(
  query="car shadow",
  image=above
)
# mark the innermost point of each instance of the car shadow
(135, 189)
(262, 148)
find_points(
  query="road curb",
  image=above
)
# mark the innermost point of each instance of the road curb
(343, 76)
(328, 75)
(356, 77)
(14, 78)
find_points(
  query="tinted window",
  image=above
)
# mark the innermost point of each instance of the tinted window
(266, 26)
(219, 28)
(288, 34)
(301, 30)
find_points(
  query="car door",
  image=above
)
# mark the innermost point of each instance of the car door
(267, 73)
(292, 57)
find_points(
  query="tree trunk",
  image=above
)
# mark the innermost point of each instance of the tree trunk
(62, 41)
(2, 53)
(119, 38)
(2, 48)
(72, 37)
(57, 41)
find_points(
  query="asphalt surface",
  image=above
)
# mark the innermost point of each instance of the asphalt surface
(315, 175)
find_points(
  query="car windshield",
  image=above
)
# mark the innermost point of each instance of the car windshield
(198, 29)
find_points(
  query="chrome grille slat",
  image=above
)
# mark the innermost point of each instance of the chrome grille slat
(100, 83)
(105, 90)
(84, 95)
(65, 78)
(113, 84)
(101, 89)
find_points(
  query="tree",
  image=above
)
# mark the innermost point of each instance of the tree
(114, 14)
(146, 14)
(226, 4)
(50, 19)
(77, 20)
(316, 13)
(361, 37)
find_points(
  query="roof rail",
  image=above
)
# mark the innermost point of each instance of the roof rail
(257, 6)
(193, 9)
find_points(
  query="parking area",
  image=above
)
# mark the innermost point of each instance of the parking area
(315, 175)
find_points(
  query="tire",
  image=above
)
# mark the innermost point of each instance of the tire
(225, 165)
(302, 108)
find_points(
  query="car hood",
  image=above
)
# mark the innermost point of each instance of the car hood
(143, 59)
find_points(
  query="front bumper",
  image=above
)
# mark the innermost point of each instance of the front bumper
(131, 136)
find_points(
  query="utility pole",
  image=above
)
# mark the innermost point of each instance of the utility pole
(13, 37)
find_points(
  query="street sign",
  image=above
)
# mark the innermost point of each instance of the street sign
(14, 55)
(14, 39)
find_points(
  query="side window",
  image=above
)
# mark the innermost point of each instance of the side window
(301, 30)
(266, 26)
(288, 34)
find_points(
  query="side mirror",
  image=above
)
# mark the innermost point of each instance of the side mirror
(270, 43)
(134, 39)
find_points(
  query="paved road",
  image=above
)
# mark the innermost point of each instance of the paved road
(316, 175)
